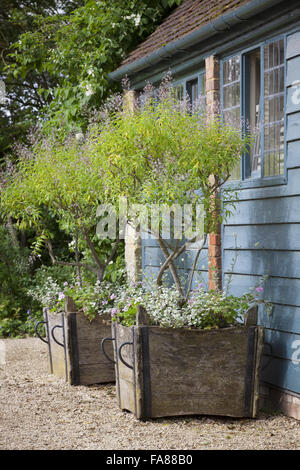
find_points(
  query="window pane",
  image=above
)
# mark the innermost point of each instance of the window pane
(274, 108)
(178, 92)
(202, 92)
(231, 88)
(252, 108)
(192, 92)
(231, 98)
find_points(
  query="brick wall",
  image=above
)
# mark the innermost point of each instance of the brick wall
(212, 68)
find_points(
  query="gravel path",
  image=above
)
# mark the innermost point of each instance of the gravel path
(40, 411)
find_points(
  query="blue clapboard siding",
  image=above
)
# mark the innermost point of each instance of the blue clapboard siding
(285, 291)
(263, 236)
(153, 258)
(264, 261)
(284, 318)
(282, 373)
(279, 210)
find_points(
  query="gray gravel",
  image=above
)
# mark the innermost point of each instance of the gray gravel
(41, 411)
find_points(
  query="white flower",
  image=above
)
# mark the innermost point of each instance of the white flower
(136, 18)
(89, 90)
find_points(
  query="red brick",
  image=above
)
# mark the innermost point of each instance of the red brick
(214, 239)
(214, 251)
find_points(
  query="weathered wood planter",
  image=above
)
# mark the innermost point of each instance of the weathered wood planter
(74, 347)
(170, 372)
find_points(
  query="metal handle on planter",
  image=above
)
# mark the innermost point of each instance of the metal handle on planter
(37, 333)
(103, 350)
(52, 334)
(120, 354)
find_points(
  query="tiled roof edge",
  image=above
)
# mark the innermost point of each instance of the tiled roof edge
(220, 24)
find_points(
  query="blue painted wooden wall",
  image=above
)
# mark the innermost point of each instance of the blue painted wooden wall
(266, 227)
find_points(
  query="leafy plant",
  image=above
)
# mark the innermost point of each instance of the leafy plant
(163, 153)
(63, 177)
(50, 78)
(204, 310)
(17, 310)
(91, 299)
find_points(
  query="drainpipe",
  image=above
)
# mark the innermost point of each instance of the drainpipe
(220, 24)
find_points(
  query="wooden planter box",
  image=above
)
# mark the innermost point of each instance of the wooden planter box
(74, 346)
(170, 372)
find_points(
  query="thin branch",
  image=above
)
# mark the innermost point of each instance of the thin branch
(194, 267)
(101, 267)
(171, 266)
(67, 263)
(113, 252)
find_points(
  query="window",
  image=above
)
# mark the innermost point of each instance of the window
(192, 92)
(196, 91)
(193, 89)
(253, 88)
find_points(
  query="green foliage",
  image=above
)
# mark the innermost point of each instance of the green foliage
(25, 77)
(90, 298)
(164, 154)
(63, 177)
(17, 310)
(204, 309)
(57, 56)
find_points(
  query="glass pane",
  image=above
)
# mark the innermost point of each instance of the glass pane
(276, 80)
(231, 70)
(271, 60)
(225, 72)
(281, 79)
(236, 94)
(178, 92)
(281, 51)
(281, 167)
(231, 98)
(192, 92)
(202, 83)
(276, 53)
(202, 93)
(266, 57)
(274, 108)
(267, 139)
